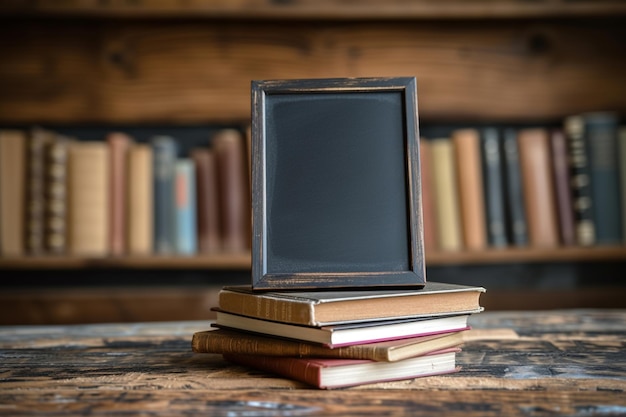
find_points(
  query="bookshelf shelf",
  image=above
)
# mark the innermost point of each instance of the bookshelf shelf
(241, 261)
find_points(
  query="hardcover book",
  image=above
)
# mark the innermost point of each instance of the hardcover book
(118, 143)
(165, 154)
(517, 228)
(56, 194)
(208, 200)
(225, 341)
(349, 333)
(494, 187)
(12, 189)
(140, 199)
(319, 308)
(337, 373)
(185, 211)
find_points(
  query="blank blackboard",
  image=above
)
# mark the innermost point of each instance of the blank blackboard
(336, 184)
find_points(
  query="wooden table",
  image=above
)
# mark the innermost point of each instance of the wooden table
(516, 364)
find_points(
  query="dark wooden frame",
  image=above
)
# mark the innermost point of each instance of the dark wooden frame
(308, 90)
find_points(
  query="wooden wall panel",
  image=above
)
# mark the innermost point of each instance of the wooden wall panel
(199, 71)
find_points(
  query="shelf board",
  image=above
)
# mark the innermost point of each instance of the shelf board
(322, 9)
(241, 261)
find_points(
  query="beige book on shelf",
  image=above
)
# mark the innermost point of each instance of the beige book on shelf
(429, 214)
(88, 199)
(140, 221)
(12, 191)
(539, 191)
(471, 188)
(446, 195)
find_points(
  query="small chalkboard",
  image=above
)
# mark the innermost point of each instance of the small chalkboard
(336, 184)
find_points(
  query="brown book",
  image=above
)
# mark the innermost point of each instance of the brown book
(563, 193)
(12, 191)
(34, 229)
(449, 229)
(88, 199)
(140, 214)
(56, 157)
(119, 144)
(235, 210)
(229, 341)
(429, 214)
(540, 204)
(468, 163)
(317, 308)
(208, 214)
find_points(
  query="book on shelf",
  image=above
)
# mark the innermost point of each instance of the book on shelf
(37, 139)
(338, 373)
(88, 198)
(55, 201)
(118, 143)
(347, 334)
(207, 198)
(185, 208)
(12, 191)
(390, 349)
(469, 171)
(494, 187)
(622, 165)
(516, 222)
(580, 180)
(140, 199)
(601, 130)
(165, 153)
(319, 308)
(562, 190)
(429, 214)
(536, 164)
(449, 232)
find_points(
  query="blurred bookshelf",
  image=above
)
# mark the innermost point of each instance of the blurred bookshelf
(83, 68)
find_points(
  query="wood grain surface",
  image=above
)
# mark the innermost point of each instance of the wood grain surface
(546, 363)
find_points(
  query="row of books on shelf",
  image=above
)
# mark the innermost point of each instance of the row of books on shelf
(539, 187)
(118, 196)
(335, 339)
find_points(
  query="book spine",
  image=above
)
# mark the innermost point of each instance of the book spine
(514, 192)
(580, 180)
(235, 209)
(185, 190)
(429, 214)
(56, 155)
(208, 200)
(494, 187)
(35, 190)
(536, 167)
(165, 154)
(446, 195)
(293, 368)
(119, 144)
(601, 144)
(560, 174)
(267, 308)
(140, 200)
(622, 166)
(470, 184)
(12, 189)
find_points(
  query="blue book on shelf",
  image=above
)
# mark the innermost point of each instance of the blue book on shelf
(165, 152)
(185, 186)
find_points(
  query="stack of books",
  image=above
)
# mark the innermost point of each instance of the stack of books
(334, 339)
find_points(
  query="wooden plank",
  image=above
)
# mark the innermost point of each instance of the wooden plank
(320, 9)
(76, 71)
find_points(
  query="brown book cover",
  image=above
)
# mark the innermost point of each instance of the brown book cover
(56, 161)
(119, 144)
(563, 193)
(449, 229)
(230, 341)
(235, 209)
(140, 197)
(540, 203)
(208, 214)
(338, 373)
(316, 308)
(429, 214)
(34, 229)
(88, 198)
(468, 163)
(12, 191)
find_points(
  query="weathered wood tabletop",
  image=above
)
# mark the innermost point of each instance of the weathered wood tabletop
(515, 364)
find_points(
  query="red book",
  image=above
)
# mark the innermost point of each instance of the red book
(119, 144)
(339, 373)
(560, 172)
